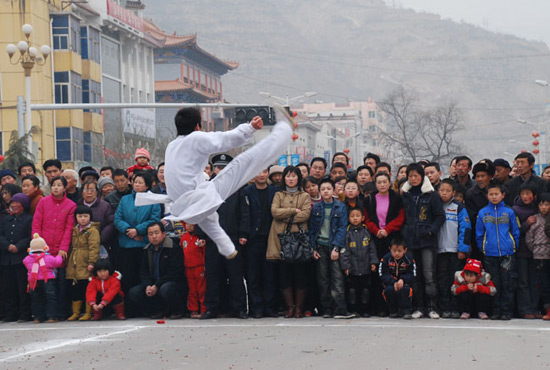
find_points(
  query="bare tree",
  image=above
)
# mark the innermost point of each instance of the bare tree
(414, 134)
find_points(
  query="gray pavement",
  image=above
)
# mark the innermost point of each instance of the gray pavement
(313, 343)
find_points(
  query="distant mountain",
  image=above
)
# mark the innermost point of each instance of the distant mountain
(361, 48)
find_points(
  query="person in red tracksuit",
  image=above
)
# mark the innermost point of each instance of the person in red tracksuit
(193, 252)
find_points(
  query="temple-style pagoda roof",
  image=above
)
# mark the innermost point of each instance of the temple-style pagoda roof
(170, 86)
(184, 46)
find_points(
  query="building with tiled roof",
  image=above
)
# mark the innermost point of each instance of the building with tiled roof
(187, 73)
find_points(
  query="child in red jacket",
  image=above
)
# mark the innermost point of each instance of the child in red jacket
(474, 288)
(193, 253)
(142, 158)
(104, 287)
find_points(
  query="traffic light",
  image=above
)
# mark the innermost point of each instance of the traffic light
(245, 114)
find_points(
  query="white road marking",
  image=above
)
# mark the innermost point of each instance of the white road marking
(422, 324)
(67, 343)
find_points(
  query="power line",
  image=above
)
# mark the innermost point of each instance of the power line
(360, 99)
(369, 66)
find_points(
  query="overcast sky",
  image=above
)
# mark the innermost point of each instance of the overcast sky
(528, 18)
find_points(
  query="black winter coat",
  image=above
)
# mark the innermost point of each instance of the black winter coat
(16, 230)
(170, 264)
(359, 253)
(252, 199)
(235, 216)
(423, 216)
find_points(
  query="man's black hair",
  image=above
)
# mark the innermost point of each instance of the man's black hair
(26, 164)
(382, 164)
(340, 153)
(530, 157)
(51, 162)
(105, 168)
(84, 169)
(35, 180)
(464, 158)
(339, 165)
(187, 119)
(156, 223)
(120, 172)
(373, 156)
(303, 164)
(434, 164)
(318, 159)
(365, 167)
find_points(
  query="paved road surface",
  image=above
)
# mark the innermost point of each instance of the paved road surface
(312, 343)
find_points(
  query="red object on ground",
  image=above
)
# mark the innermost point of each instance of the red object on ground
(160, 321)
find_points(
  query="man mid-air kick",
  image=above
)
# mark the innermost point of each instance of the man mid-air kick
(194, 200)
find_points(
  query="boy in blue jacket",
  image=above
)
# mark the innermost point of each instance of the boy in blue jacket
(453, 245)
(497, 234)
(327, 231)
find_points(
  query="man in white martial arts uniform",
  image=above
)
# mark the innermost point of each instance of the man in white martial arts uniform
(192, 199)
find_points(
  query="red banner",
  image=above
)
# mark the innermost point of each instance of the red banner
(124, 15)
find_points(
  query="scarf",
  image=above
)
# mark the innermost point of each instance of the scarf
(38, 264)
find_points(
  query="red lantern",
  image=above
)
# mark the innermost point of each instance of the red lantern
(535, 134)
(346, 151)
(535, 143)
(295, 137)
(536, 151)
(1, 158)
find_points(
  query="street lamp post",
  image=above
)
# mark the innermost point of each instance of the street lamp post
(286, 100)
(29, 56)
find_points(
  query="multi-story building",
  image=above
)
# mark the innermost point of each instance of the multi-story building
(100, 54)
(327, 128)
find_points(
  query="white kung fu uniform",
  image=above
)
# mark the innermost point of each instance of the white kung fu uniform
(195, 201)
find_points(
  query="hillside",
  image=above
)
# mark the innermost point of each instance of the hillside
(364, 49)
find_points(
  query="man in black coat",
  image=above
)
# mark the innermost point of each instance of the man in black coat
(525, 175)
(161, 290)
(260, 273)
(15, 236)
(235, 221)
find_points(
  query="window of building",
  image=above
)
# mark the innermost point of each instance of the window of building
(61, 80)
(68, 87)
(372, 114)
(66, 33)
(89, 38)
(110, 57)
(69, 144)
(91, 93)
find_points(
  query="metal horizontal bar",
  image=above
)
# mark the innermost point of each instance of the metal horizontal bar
(134, 105)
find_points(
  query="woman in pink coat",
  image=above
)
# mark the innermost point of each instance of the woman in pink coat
(54, 221)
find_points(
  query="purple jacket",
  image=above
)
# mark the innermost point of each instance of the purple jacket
(523, 212)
